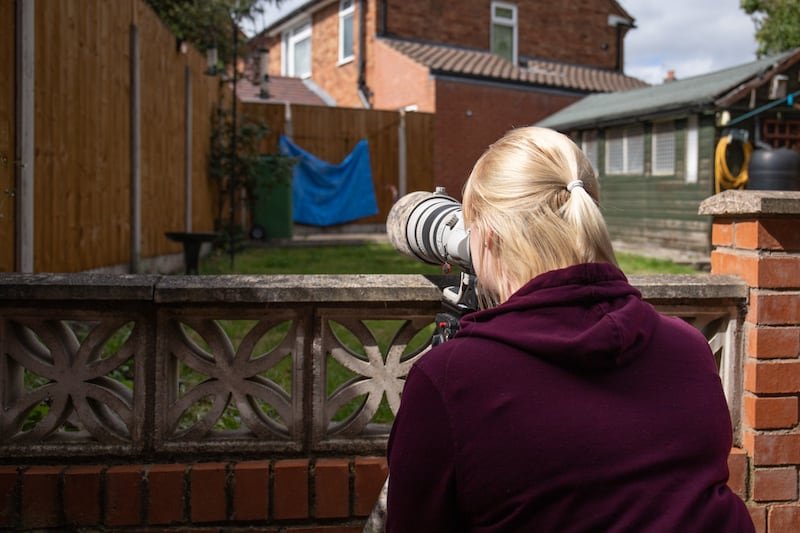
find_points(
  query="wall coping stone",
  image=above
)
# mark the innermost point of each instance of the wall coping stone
(736, 203)
(319, 289)
(77, 286)
(311, 289)
(689, 286)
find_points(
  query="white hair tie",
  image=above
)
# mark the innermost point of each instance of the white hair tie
(574, 183)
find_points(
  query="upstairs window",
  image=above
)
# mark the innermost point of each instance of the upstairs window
(589, 146)
(297, 51)
(663, 149)
(504, 30)
(346, 10)
(625, 150)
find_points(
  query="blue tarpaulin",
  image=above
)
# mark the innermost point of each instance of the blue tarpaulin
(324, 194)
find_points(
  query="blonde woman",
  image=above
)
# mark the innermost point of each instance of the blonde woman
(568, 404)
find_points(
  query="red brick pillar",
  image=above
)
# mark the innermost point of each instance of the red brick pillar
(756, 236)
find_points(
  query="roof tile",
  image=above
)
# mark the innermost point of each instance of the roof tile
(448, 59)
(280, 89)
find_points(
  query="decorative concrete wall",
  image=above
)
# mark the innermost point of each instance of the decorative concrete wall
(99, 374)
(756, 235)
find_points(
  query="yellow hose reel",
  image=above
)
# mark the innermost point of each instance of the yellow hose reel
(723, 177)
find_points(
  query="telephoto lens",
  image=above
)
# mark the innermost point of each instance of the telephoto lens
(430, 228)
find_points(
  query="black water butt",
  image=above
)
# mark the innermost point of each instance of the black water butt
(775, 169)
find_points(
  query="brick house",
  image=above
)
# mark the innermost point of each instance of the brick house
(481, 66)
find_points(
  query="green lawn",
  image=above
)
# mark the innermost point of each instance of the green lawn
(370, 258)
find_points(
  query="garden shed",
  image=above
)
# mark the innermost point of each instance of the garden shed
(654, 147)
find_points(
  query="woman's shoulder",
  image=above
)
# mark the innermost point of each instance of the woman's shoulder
(459, 358)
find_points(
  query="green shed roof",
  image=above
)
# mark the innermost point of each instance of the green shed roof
(695, 92)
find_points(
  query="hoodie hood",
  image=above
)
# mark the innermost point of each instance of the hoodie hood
(585, 318)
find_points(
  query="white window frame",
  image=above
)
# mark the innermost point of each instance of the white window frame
(347, 10)
(662, 144)
(291, 37)
(589, 147)
(692, 148)
(631, 140)
(500, 21)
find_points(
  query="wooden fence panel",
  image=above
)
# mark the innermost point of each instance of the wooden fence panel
(82, 131)
(163, 136)
(83, 143)
(419, 147)
(273, 116)
(7, 144)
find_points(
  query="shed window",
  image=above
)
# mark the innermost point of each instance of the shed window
(346, 9)
(297, 51)
(589, 146)
(625, 150)
(692, 149)
(663, 153)
(504, 30)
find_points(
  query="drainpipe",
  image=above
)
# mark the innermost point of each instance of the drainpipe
(621, 27)
(25, 63)
(364, 93)
(384, 8)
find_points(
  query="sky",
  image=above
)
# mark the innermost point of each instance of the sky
(691, 37)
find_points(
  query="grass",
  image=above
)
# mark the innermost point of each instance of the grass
(372, 258)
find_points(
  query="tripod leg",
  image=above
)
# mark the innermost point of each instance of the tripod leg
(376, 523)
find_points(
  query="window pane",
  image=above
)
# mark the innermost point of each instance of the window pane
(615, 158)
(503, 41)
(663, 148)
(504, 13)
(634, 153)
(302, 57)
(347, 37)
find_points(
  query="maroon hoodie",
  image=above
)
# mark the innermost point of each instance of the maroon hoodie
(573, 406)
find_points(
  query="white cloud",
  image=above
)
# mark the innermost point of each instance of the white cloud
(691, 37)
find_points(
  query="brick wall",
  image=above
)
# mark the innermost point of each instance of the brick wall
(573, 32)
(325, 494)
(338, 80)
(469, 119)
(755, 234)
(397, 81)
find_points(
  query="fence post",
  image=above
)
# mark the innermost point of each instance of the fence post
(136, 171)
(187, 150)
(402, 155)
(26, 63)
(287, 120)
(755, 237)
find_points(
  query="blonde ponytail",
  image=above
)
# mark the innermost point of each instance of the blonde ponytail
(522, 191)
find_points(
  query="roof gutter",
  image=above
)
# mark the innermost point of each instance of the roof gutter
(621, 120)
(296, 16)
